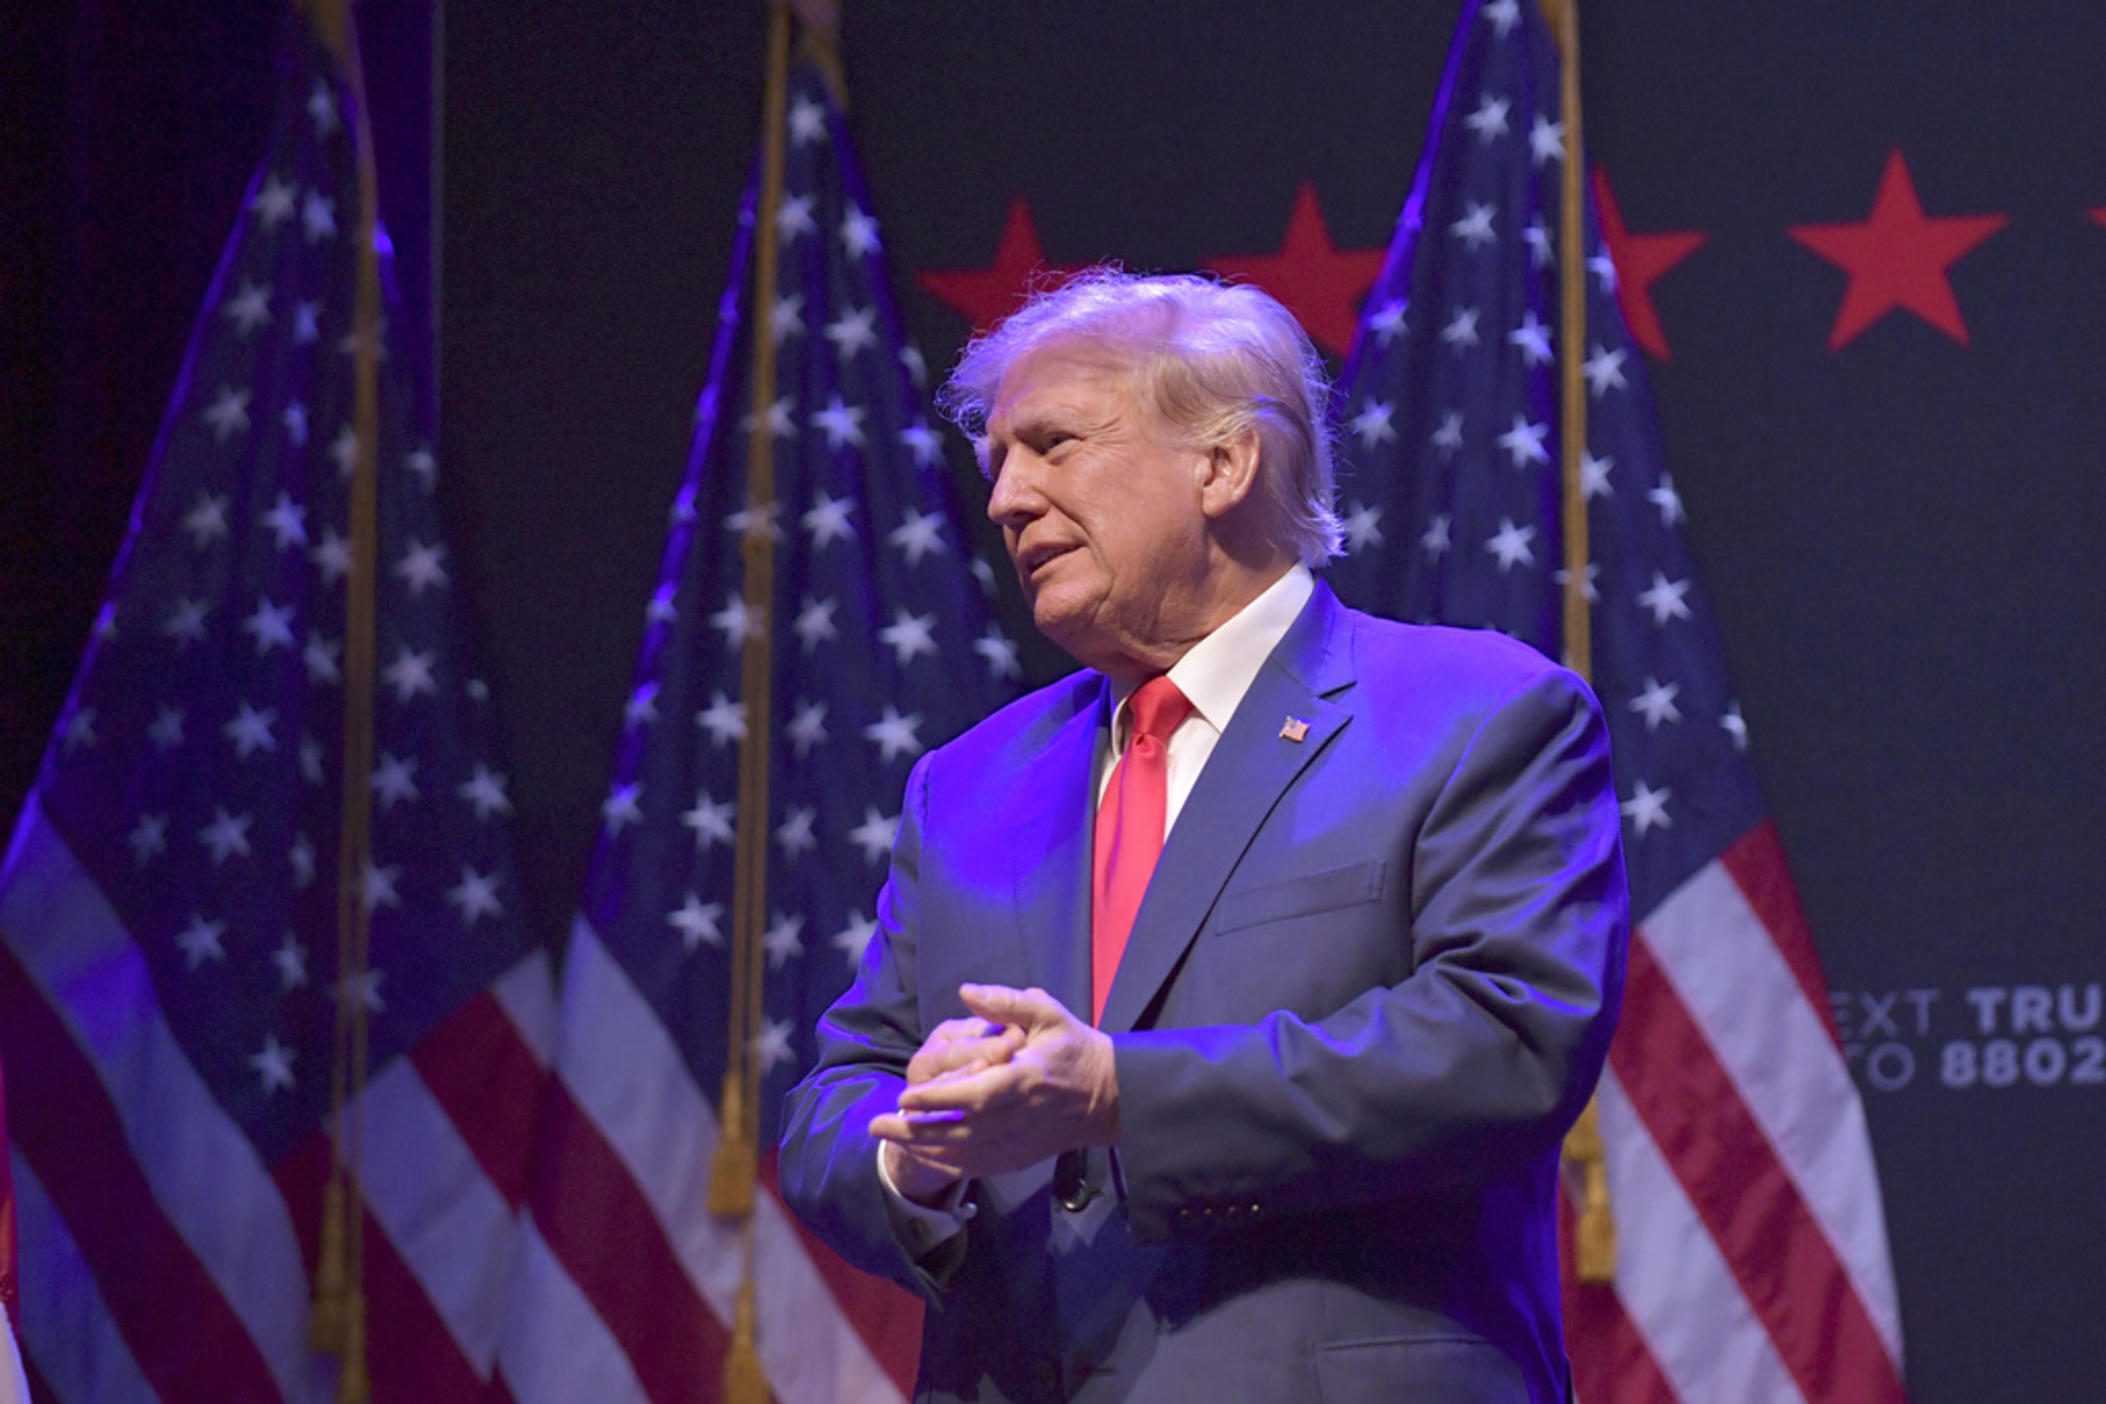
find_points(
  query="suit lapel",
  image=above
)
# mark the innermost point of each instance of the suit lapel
(1053, 857)
(1251, 767)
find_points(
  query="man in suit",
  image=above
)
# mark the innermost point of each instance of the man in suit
(1274, 1113)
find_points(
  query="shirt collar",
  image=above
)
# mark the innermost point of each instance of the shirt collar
(1216, 672)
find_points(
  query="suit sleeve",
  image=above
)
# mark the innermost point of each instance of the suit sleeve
(828, 1165)
(1471, 1067)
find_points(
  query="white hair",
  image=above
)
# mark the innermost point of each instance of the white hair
(1215, 360)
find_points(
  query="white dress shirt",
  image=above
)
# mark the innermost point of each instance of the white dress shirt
(1214, 675)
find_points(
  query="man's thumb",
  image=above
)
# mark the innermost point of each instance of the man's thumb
(1002, 1005)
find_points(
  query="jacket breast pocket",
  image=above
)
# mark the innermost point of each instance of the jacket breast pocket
(1304, 894)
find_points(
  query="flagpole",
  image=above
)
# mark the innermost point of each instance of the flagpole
(339, 1324)
(736, 1167)
(1583, 1151)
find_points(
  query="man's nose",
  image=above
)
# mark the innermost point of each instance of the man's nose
(1015, 498)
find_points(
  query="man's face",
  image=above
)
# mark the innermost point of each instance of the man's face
(1100, 508)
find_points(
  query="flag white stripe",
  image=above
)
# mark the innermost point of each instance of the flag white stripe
(207, 1178)
(447, 1221)
(1675, 1286)
(67, 1329)
(556, 1350)
(629, 1079)
(527, 994)
(1723, 963)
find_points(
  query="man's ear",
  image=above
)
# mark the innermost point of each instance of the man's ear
(1229, 475)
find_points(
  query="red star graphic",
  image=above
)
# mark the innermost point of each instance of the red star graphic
(1640, 260)
(986, 295)
(1897, 257)
(2099, 214)
(1320, 284)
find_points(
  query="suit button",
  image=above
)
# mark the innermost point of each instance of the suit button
(1254, 1211)
(1048, 1377)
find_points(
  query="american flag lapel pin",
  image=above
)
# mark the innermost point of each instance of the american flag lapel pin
(1294, 728)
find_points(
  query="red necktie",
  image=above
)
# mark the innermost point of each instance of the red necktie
(1130, 826)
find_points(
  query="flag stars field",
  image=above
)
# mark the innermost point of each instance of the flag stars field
(697, 922)
(167, 730)
(1372, 423)
(784, 938)
(724, 720)
(1448, 436)
(410, 675)
(290, 961)
(207, 521)
(807, 729)
(1475, 229)
(148, 838)
(1524, 443)
(894, 734)
(874, 835)
(1647, 808)
(250, 730)
(919, 535)
(1666, 599)
(79, 730)
(909, 636)
(200, 941)
(794, 835)
(227, 836)
(475, 896)
(270, 626)
(273, 1064)
(621, 808)
(854, 938)
(999, 652)
(300, 858)
(710, 820)
(1461, 330)
(394, 781)
(228, 413)
(1436, 540)
(1603, 370)
(1656, 703)
(827, 519)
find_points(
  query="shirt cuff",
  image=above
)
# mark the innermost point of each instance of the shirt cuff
(922, 1227)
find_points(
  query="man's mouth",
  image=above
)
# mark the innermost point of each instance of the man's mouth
(1034, 558)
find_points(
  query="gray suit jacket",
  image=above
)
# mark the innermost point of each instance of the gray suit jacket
(1372, 983)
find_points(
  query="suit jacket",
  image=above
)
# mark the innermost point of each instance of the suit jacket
(1370, 986)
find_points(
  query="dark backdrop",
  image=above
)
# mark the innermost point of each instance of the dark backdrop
(1902, 534)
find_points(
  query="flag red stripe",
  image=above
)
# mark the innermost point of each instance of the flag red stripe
(1611, 1363)
(69, 1128)
(1786, 1267)
(885, 1315)
(484, 1075)
(410, 1353)
(602, 1230)
(1755, 862)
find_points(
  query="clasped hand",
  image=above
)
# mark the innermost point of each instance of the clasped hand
(1018, 1082)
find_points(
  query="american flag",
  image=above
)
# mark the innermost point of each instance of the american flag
(168, 978)
(883, 646)
(1754, 1260)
